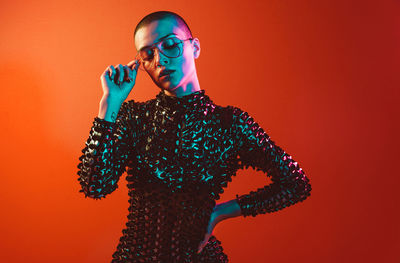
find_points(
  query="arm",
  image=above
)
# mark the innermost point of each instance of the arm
(105, 154)
(289, 183)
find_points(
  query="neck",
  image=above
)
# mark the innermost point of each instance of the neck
(189, 87)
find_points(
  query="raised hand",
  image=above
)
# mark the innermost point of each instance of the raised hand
(117, 82)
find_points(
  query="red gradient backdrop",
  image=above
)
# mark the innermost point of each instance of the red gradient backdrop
(321, 78)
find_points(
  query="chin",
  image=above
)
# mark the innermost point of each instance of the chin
(167, 86)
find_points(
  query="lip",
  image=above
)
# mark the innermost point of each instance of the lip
(165, 73)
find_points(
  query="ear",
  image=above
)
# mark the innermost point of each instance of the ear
(196, 47)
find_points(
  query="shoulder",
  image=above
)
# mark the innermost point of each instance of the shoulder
(224, 110)
(233, 113)
(230, 115)
(240, 121)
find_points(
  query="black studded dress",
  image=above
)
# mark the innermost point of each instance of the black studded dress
(179, 153)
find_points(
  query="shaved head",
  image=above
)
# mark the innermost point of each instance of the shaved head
(159, 15)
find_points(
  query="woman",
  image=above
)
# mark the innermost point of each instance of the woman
(181, 150)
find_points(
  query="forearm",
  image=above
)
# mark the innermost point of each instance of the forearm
(104, 156)
(109, 108)
(99, 166)
(276, 196)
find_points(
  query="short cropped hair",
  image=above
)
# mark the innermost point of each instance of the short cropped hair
(160, 15)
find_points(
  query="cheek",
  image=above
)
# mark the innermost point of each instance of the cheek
(187, 65)
(153, 77)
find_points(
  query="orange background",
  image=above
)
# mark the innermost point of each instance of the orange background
(321, 78)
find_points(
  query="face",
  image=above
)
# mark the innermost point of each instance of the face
(183, 66)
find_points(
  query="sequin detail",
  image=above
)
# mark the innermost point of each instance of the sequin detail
(180, 154)
(256, 149)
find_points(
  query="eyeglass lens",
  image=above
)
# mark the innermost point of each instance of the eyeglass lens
(170, 47)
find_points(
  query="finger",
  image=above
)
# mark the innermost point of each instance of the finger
(117, 74)
(134, 64)
(134, 71)
(109, 73)
(202, 245)
(121, 73)
(200, 249)
(105, 74)
(113, 72)
(131, 63)
(128, 73)
(137, 65)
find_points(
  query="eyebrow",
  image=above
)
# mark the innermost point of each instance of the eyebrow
(161, 38)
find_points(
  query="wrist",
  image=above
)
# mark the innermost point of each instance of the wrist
(110, 99)
(227, 210)
(109, 109)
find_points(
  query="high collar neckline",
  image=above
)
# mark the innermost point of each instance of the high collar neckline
(192, 101)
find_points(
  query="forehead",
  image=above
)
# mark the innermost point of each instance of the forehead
(149, 34)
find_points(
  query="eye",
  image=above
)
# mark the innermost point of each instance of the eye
(170, 43)
(148, 58)
(147, 55)
(170, 46)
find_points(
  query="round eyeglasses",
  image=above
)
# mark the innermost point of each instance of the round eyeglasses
(170, 47)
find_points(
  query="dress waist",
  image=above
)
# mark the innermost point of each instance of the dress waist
(164, 224)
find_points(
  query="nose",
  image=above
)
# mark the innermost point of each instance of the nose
(159, 58)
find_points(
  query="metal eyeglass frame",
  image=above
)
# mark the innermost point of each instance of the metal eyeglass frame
(158, 45)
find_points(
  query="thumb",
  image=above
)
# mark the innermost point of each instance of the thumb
(134, 67)
(134, 64)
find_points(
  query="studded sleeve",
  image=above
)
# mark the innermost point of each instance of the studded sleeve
(105, 154)
(255, 148)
